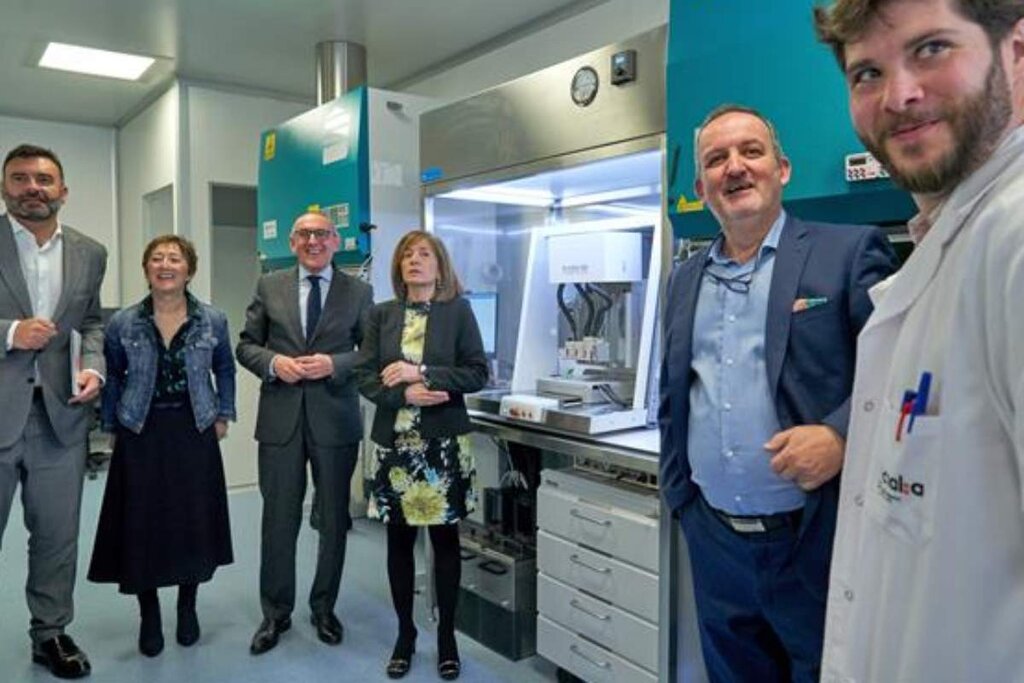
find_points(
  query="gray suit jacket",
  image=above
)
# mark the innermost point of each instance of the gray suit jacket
(85, 262)
(273, 326)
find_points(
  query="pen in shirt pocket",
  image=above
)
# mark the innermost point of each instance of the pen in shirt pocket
(807, 303)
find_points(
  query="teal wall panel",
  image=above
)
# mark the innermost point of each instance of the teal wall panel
(764, 54)
(319, 159)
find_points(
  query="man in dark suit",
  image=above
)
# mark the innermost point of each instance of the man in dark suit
(50, 277)
(301, 333)
(760, 337)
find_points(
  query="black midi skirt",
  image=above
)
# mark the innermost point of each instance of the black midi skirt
(164, 519)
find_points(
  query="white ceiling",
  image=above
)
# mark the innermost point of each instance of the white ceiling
(258, 44)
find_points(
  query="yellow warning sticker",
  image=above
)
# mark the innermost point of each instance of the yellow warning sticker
(269, 146)
(684, 205)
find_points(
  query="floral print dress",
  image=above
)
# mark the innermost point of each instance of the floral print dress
(420, 481)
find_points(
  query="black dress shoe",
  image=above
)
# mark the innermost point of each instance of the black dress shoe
(62, 657)
(328, 628)
(268, 633)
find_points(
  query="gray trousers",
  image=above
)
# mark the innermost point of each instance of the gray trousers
(51, 494)
(282, 474)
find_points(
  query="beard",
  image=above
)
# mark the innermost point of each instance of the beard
(977, 122)
(17, 206)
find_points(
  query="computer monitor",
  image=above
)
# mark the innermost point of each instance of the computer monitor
(485, 309)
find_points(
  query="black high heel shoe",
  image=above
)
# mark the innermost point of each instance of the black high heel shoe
(449, 669)
(448, 665)
(401, 656)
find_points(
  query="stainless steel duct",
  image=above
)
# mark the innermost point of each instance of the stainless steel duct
(340, 66)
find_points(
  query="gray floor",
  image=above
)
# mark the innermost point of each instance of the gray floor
(106, 623)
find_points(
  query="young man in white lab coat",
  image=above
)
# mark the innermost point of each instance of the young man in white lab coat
(927, 580)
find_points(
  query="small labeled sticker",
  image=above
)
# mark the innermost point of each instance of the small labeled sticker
(684, 205)
(336, 152)
(337, 214)
(386, 174)
(269, 228)
(269, 146)
(429, 175)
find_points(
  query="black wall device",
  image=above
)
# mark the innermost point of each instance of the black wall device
(623, 67)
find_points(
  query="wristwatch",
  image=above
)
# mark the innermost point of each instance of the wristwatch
(423, 373)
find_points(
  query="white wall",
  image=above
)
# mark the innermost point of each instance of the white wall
(147, 150)
(237, 268)
(223, 131)
(87, 154)
(607, 23)
(223, 147)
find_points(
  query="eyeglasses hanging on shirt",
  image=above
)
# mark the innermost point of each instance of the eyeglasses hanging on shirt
(740, 284)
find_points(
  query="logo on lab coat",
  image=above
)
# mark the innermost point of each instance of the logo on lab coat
(895, 488)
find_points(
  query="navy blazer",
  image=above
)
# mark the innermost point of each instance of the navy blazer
(452, 351)
(809, 356)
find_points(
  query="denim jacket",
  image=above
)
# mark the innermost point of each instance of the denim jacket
(130, 347)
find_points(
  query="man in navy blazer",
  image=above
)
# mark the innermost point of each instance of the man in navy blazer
(760, 338)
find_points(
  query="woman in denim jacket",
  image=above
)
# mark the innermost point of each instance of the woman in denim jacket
(168, 397)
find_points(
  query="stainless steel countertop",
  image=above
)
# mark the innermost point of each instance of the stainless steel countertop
(635, 449)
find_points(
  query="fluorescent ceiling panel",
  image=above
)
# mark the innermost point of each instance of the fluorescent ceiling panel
(87, 60)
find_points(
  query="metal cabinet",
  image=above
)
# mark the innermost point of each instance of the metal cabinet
(598, 583)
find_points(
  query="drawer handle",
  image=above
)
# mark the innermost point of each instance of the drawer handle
(579, 653)
(575, 559)
(576, 603)
(599, 522)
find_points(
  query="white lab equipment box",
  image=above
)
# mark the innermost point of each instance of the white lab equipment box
(613, 256)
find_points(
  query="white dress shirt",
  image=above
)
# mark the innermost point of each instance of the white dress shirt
(43, 270)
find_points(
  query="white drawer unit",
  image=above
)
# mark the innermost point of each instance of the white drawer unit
(617, 532)
(631, 588)
(597, 586)
(585, 659)
(632, 637)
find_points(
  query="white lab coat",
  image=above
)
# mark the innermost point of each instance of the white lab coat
(927, 578)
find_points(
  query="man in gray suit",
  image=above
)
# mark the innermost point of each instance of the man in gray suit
(50, 277)
(301, 333)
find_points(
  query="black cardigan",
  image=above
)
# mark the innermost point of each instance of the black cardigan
(452, 351)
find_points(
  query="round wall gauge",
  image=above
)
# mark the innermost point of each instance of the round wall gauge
(584, 86)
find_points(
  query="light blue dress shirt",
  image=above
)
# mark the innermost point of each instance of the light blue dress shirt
(732, 411)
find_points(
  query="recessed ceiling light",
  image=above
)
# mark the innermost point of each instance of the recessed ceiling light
(87, 60)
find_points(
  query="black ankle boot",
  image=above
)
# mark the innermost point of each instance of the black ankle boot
(188, 621)
(401, 656)
(151, 636)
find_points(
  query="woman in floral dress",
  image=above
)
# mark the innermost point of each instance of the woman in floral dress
(421, 352)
